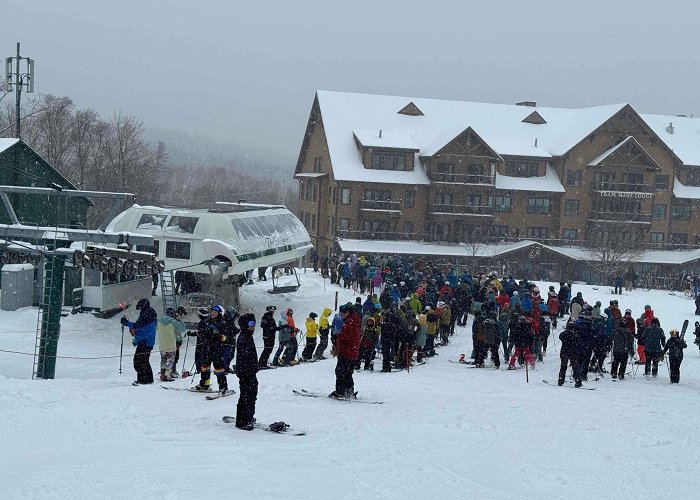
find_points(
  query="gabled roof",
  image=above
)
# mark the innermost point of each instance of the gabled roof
(378, 138)
(535, 118)
(411, 110)
(549, 183)
(685, 139)
(629, 141)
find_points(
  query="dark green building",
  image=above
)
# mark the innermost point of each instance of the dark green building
(20, 165)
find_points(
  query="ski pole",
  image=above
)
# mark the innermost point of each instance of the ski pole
(121, 352)
(187, 346)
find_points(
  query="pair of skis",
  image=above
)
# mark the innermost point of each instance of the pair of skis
(210, 394)
(308, 394)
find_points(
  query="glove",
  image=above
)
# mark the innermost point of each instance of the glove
(124, 321)
(334, 351)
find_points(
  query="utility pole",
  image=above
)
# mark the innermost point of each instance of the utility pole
(15, 77)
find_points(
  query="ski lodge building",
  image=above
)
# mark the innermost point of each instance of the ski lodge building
(387, 174)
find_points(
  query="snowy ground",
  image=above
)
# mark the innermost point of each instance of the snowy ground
(445, 431)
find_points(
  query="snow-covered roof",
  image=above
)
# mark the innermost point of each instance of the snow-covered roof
(349, 115)
(401, 139)
(677, 257)
(684, 139)
(7, 142)
(683, 191)
(310, 175)
(549, 183)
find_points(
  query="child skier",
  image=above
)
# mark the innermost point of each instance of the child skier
(370, 336)
(169, 329)
(674, 347)
(323, 330)
(311, 335)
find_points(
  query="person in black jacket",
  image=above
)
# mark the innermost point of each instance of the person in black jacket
(269, 328)
(674, 347)
(246, 370)
(570, 353)
(391, 330)
(622, 348)
(212, 338)
(654, 342)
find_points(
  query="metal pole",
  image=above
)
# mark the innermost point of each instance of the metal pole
(121, 352)
(51, 316)
(18, 87)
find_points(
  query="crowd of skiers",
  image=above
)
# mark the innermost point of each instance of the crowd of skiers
(411, 307)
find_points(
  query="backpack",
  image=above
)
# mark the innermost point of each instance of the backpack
(490, 330)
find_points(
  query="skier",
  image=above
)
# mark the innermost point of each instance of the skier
(144, 332)
(674, 347)
(347, 347)
(622, 348)
(370, 336)
(214, 338)
(654, 342)
(522, 339)
(570, 354)
(445, 319)
(230, 331)
(311, 335)
(584, 329)
(246, 369)
(269, 328)
(323, 331)
(491, 340)
(391, 330)
(169, 329)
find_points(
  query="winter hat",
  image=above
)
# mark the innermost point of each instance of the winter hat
(628, 311)
(313, 315)
(203, 312)
(647, 306)
(170, 312)
(515, 292)
(440, 303)
(218, 309)
(142, 304)
(271, 308)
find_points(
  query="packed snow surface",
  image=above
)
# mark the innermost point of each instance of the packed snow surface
(445, 431)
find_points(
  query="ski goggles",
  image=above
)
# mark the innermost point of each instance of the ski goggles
(251, 324)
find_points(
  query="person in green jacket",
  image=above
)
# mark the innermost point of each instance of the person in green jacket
(169, 329)
(503, 322)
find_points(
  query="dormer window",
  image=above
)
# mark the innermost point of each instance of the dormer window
(389, 161)
(534, 118)
(521, 168)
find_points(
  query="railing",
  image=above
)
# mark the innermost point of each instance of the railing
(464, 178)
(359, 234)
(388, 205)
(621, 187)
(448, 208)
(601, 216)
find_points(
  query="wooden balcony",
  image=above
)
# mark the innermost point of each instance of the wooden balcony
(461, 210)
(621, 187)
(619, 217)
(380, 206)
(479, 179)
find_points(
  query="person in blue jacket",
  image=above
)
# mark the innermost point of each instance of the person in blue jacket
(144, 332)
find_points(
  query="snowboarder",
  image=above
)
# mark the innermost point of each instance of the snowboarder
(246, 369)
(144, 332)
(654, 342)
(570, 354)
(674, 347)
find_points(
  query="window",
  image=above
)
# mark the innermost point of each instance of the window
(389, 161)
(177, 250)
(573, 177)
(314, 194)
(475, 169)
(661, 182)
(155, 249)
(307, 190)
(472, 200)
(307, 220)
(680, 211)
(409, 200)
(521, 168)
(678, 238)
(335, 196)
(537, 232)
(345, 196)
(658, 211)
(571, 207)
(178, 224)
(344, 224)
(692, 178)
(656, 237)
(496, 231)
(380, 225)
(408, 228)
(569, 234)
(313, 221)
(503, 203)
(633, 178)
(446, 172)
(443, 202)
(538, 205)
(151, 221)
(317, 164)
(377, 195)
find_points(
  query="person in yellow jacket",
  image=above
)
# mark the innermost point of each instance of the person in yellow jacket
(324, 330)
(311, 335)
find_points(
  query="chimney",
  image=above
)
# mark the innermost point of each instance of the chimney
(669, 129)
(529, 104)
(380, 133)
(535, 141)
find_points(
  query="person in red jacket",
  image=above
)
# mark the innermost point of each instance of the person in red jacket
(347, 347)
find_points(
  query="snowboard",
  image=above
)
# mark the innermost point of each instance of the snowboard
(218, 395)
(684, 328)
(232, 420)
(573, 387)
(307, 394)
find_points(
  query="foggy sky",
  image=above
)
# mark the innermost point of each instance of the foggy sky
(247, 73)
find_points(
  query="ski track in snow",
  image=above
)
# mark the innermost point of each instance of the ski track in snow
(445, 431)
